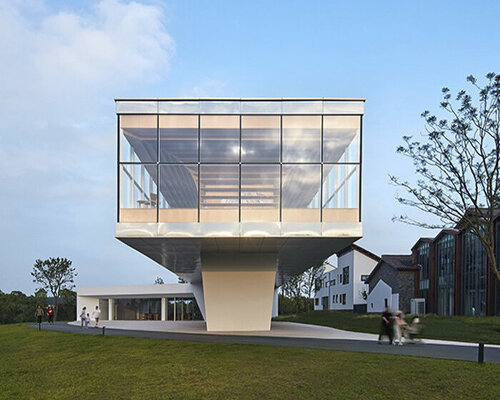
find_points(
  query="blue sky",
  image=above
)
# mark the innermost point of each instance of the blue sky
(64, 62)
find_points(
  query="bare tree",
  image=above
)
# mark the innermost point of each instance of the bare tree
(457, 164)
(54, 275)
(309, 281)
(292, 289)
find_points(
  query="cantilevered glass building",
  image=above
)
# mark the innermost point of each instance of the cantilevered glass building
(237, 195)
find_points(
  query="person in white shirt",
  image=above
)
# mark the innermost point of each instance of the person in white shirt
(96, 314)
(83, 316)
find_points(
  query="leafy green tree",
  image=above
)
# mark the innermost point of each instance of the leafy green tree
(17, 307)
(54, 275)
(67, 305)
(457, 164)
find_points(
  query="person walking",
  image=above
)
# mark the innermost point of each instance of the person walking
(386, 326)
(83, 316)
(39, 314)
(96, 314)
(50, 314)
(399, 325)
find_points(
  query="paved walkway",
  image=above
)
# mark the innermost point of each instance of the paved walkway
(284, 334)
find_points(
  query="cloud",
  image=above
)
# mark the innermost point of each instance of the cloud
(60, 70)
(65, 55)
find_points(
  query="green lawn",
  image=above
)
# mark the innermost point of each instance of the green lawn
(53, 365)
(465, 329)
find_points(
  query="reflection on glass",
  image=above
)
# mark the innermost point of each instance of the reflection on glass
(341, 139)
(220, 138)
(445, 263)
(138, 138)
(303, 107)
(178, 138)
(473, 275)
(301, 139)
(261, 107)
(219, 192)
(220, 107)
(138, 197)
(191, 310)
(136, 107)
(423, 255)
(179, 309)
(137, 309)
(260, 193)
(178, 193)
(179, 107)
(301, 193)
(183, 309)
(340, 186)
(343, 107)
(171, 309)
(260, 138)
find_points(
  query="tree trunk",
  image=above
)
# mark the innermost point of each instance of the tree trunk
(55, 306)
(490, 254)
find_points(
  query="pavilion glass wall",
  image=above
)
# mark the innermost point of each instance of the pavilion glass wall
(183, 309)
(445, 265)
(473, 275)
(239, 168)
(423, 255)
(137, 309)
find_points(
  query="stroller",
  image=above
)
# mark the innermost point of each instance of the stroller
(413, 330)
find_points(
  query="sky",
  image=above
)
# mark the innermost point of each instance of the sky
(64, 62)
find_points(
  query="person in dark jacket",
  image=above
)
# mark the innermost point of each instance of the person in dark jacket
(386, 328)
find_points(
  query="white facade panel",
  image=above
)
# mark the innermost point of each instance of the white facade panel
(379, 297)
(342, 293)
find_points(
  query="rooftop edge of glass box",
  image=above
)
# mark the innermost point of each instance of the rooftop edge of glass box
(270, 106)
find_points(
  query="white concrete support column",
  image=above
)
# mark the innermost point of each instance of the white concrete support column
(111, 308)
(175, 309)
(163, 309)
(238, 290)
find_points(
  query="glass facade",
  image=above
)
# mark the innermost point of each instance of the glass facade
(182, 309)
(423, 255)
(240, 161)
(137, 309)
(473, 276)
(445, 266)
(178, 309)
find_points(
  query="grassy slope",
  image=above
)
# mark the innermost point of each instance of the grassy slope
(465, 329)
(50, 365)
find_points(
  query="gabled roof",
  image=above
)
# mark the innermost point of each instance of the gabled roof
(359, 249)
(422, 240)
(400, 262)
(445, 232)
(461, 223)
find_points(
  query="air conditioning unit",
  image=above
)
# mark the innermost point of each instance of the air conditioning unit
(417, 306)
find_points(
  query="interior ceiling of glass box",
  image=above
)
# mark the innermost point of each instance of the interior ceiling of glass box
(179, 185)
